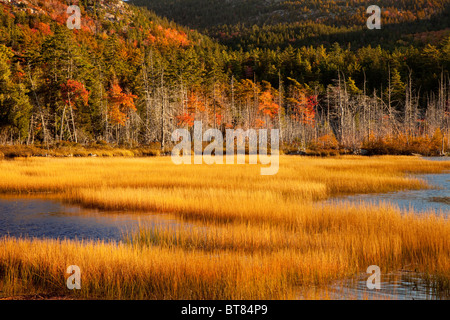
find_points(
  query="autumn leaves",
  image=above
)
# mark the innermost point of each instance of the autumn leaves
(253, 105)
(75, 94)
(120, 104)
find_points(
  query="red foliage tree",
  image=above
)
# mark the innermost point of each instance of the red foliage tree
(267, 106)
(193, 107)
(120, 104)
(74, 92)
(303, 107)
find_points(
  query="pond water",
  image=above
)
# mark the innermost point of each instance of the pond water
(435, 200)
(401, 285)
(404, 284)
(41, 218)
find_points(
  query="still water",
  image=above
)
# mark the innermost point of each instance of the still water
(400, 285)
(40, 218)
(403, 284)
(436, 200)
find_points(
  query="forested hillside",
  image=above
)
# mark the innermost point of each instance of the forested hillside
(208, 13)
(129, 77)
(80, 85)
(250, 24)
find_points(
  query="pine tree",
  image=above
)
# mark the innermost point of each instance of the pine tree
(15, 107)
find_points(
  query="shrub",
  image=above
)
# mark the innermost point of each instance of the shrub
(406, 145)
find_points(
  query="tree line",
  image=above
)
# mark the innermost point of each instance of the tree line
(133, 80)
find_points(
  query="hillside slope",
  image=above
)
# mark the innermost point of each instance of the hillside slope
(210, 13)
(78, 85)
(250, 24)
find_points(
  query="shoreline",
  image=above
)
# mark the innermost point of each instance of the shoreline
(107, 151)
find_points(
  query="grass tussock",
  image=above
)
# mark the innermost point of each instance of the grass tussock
(111, 271)
(253, 237)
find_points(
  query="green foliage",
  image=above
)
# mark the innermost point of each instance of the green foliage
(15, 108)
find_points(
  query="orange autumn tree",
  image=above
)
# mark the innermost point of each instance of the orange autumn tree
(193, 107)
(120, 104)
(166, 37)
(73, 94)
(303, 107)
(186, 119)
(268, 108)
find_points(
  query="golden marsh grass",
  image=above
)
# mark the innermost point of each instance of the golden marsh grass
(254, 237)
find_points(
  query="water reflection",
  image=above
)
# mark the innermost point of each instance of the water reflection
(402, 285)
(41, 218)
(435, 200)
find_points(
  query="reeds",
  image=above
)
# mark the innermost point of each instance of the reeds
(250, 237)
